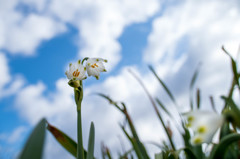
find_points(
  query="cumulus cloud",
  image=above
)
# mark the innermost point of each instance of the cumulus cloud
(195, 35)
(33, 105)
(22, 33)
(8, 84)
(12, 140)
(16, 135)
(34, 102)
(101, 23)
(4, 71)
(204, 32)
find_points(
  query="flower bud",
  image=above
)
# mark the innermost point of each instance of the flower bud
(74, 83)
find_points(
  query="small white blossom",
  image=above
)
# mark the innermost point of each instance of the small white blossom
(95, 66)
(204, 125)
(76, 71)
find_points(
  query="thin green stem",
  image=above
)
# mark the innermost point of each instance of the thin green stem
(230, 93)
(155, 108)
(78, 98)
(80, 151)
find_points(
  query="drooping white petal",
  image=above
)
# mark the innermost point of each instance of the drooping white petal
(194, 118)
(204, 125)
(94, 66)
(76, 71)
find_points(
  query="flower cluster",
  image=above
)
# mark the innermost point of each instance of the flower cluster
(204, 125)
(93, 67)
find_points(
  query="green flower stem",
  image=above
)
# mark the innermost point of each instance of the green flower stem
(78, 92)
(80, 151)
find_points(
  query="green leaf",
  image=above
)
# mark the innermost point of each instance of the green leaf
(198, 98)
(90, 154)
(163, 107)
(135, 135)
(160, 155)
(110, 101)
(33, 148)
(105, 152)
(154, 106)
(125, 155)
(220, 149)
(186, 136)
(164, 85)
(225, 129)
(189, 153)
(198, 151)
(234, 68)
(132, 128)
(234, 113)
(134, 144)
(175, 154)
(195, 75)
(69, 144)
(212, 104)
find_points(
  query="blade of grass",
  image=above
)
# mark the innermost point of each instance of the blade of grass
(69, 144)
(134, 144)
(234, 112)
(234, 68)
(198, 98)
(195, 75)
(212, 103)
(163, 107)
(105, 152)
(35, 143)
(134, 133)
(220, 149)
(189, 153)
(164, 85)
(132, 128)
(110, 101)
(124, 156)
(155, 108)
(90, 154)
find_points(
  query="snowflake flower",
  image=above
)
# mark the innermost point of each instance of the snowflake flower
(95, 66)
(204, 125)
(76, 71)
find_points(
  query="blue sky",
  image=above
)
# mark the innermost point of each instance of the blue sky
(38, 40)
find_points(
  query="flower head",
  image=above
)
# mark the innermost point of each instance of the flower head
(95, 66)
(76, 71)
(204, 125)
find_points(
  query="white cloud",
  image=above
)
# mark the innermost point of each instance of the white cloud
(16, 134)
(34, 102)
(38, 6)
(26, 36)
(11, 141)
(204, 32)
(33, 105)
(198, 31)
(8, 84)
(4, 71)
(101, 23)
(21, 33)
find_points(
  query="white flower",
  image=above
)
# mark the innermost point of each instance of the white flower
(76, 71)
(95, 66)
(204, 125)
